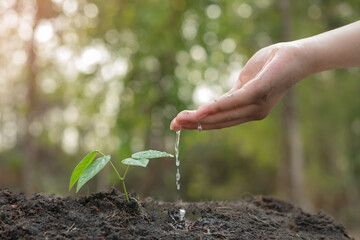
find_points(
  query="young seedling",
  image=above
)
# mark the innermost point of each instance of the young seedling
(87, 168)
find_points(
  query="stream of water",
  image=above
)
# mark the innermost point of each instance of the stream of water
(177, 142)
(182, 211)
(177, 159)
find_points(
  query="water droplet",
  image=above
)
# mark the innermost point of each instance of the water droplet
(199, 127)
(178, 175)
(182, 214)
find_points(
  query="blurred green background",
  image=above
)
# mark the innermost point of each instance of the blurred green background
(111, 74)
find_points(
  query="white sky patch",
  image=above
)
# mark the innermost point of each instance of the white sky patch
(44, 32)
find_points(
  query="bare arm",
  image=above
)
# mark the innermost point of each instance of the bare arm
(339, 48)
(269, 74)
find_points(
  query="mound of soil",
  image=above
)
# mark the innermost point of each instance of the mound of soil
(106, 215)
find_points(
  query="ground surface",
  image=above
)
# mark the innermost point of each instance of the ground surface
(107, 216)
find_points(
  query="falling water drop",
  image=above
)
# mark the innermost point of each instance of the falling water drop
(199, 127)
(182, 214)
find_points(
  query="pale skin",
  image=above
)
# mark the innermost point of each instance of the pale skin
(270, 73)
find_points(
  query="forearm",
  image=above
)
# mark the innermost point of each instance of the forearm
(339, 48)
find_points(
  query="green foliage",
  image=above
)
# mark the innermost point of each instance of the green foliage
(151, 154)
(92, 170)
(86, 169)
(79, 169)
(141, 162)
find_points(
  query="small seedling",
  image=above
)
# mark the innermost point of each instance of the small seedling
(87, 168)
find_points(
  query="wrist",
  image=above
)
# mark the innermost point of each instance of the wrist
(311, 55)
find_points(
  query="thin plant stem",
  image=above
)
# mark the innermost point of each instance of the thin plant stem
(122, 179)
(126, 171)
(123, 184)
(117, 173)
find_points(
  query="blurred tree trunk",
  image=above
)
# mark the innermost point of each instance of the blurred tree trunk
(294, 149)
(43, 10)
(29, 141)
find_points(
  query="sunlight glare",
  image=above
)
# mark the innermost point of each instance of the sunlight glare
(44, 32)
(203, 94)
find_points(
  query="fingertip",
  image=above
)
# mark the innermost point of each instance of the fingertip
(186, 116)
(174, 125)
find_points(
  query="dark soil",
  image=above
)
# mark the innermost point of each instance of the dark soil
(106, 215)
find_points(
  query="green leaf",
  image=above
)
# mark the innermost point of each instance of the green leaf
(142, 162)
(151, 154)
(92, 170)
(82, 165)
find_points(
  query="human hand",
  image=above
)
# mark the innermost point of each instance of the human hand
(264, 80)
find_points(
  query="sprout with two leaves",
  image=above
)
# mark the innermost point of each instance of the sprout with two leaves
(87, 168)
